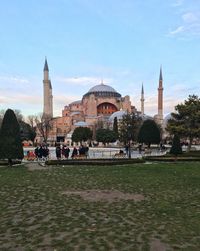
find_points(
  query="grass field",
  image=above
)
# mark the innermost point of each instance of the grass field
(78, 208)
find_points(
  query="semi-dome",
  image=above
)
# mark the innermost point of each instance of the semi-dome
(81, 123)
(166, 119)
(119, 115)
(145, 117)
(77, 102)
(103, 90)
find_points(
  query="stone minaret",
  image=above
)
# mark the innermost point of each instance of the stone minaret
(142, 100)
(160, 97)
(48, 98)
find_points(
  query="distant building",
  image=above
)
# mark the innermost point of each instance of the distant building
(98, 106)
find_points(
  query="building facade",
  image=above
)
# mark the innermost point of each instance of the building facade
(96, 107)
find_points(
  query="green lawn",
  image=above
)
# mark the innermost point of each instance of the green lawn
(36, 214)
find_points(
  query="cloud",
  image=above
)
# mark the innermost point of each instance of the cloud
(83, 81)
(60, 101)
(14, 79)
(20, 99)
(190, 17)
(177, 3)
(190, 25)
(178, 30)
(16, 92)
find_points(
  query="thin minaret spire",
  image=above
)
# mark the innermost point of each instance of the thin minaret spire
(160, 96)
(46, 68)
(142, 100)
(47, 87)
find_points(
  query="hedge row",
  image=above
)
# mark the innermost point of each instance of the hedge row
(171, 158)
(5, 162)
(95, 162)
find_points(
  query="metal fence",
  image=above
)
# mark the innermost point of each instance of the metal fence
(98, 153)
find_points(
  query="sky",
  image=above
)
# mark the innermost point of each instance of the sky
(122, 42)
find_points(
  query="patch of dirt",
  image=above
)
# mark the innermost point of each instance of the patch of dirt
(32, 166)
(157, 245)
(105, 195)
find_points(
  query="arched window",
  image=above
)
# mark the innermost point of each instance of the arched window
(106, 109)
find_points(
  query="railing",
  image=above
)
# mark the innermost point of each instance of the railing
(102, 153)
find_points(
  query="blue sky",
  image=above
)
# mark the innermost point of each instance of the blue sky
(122, 42)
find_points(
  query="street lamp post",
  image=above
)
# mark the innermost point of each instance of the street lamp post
(129, 142)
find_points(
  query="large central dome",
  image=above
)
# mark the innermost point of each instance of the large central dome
(103, 90)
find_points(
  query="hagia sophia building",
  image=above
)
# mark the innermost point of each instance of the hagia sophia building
(101, 104)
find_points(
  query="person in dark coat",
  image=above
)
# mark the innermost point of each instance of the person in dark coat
(36, 151)
(40, 152)
(58, 152)
(74, 152)
(65, 151)
(45, 152)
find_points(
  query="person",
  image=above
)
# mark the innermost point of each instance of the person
(86, 151)
(74, 152)
(65, 151)
(140, 148)
(58, 152)
(40, 153)
(126, 149)
(30, 155)
(36, 152)
(81, 150)
(45, 152)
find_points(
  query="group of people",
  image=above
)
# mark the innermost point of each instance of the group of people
(82, 150)
(63, 152)
(42, 152)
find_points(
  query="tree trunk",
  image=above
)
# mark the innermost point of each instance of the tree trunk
(10, 162)
(175, 157)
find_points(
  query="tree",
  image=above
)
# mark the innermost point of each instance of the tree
(31, 120)
(27, 133)
(44, 125)
(105, 136)
(2, 113)
(10, 138)
(129, 126)
(18, 115)
(115, 127)
(186, 120)
(81, 134)
(176, 146)
(149, 133)
(17, 112)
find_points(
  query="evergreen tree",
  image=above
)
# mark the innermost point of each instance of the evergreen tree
(27, 133)
(115, 127)
(105, 136)
(129, 126)
(176, 146)
(81, 134)
(10, 138)
(186, 120)
(149, 133)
